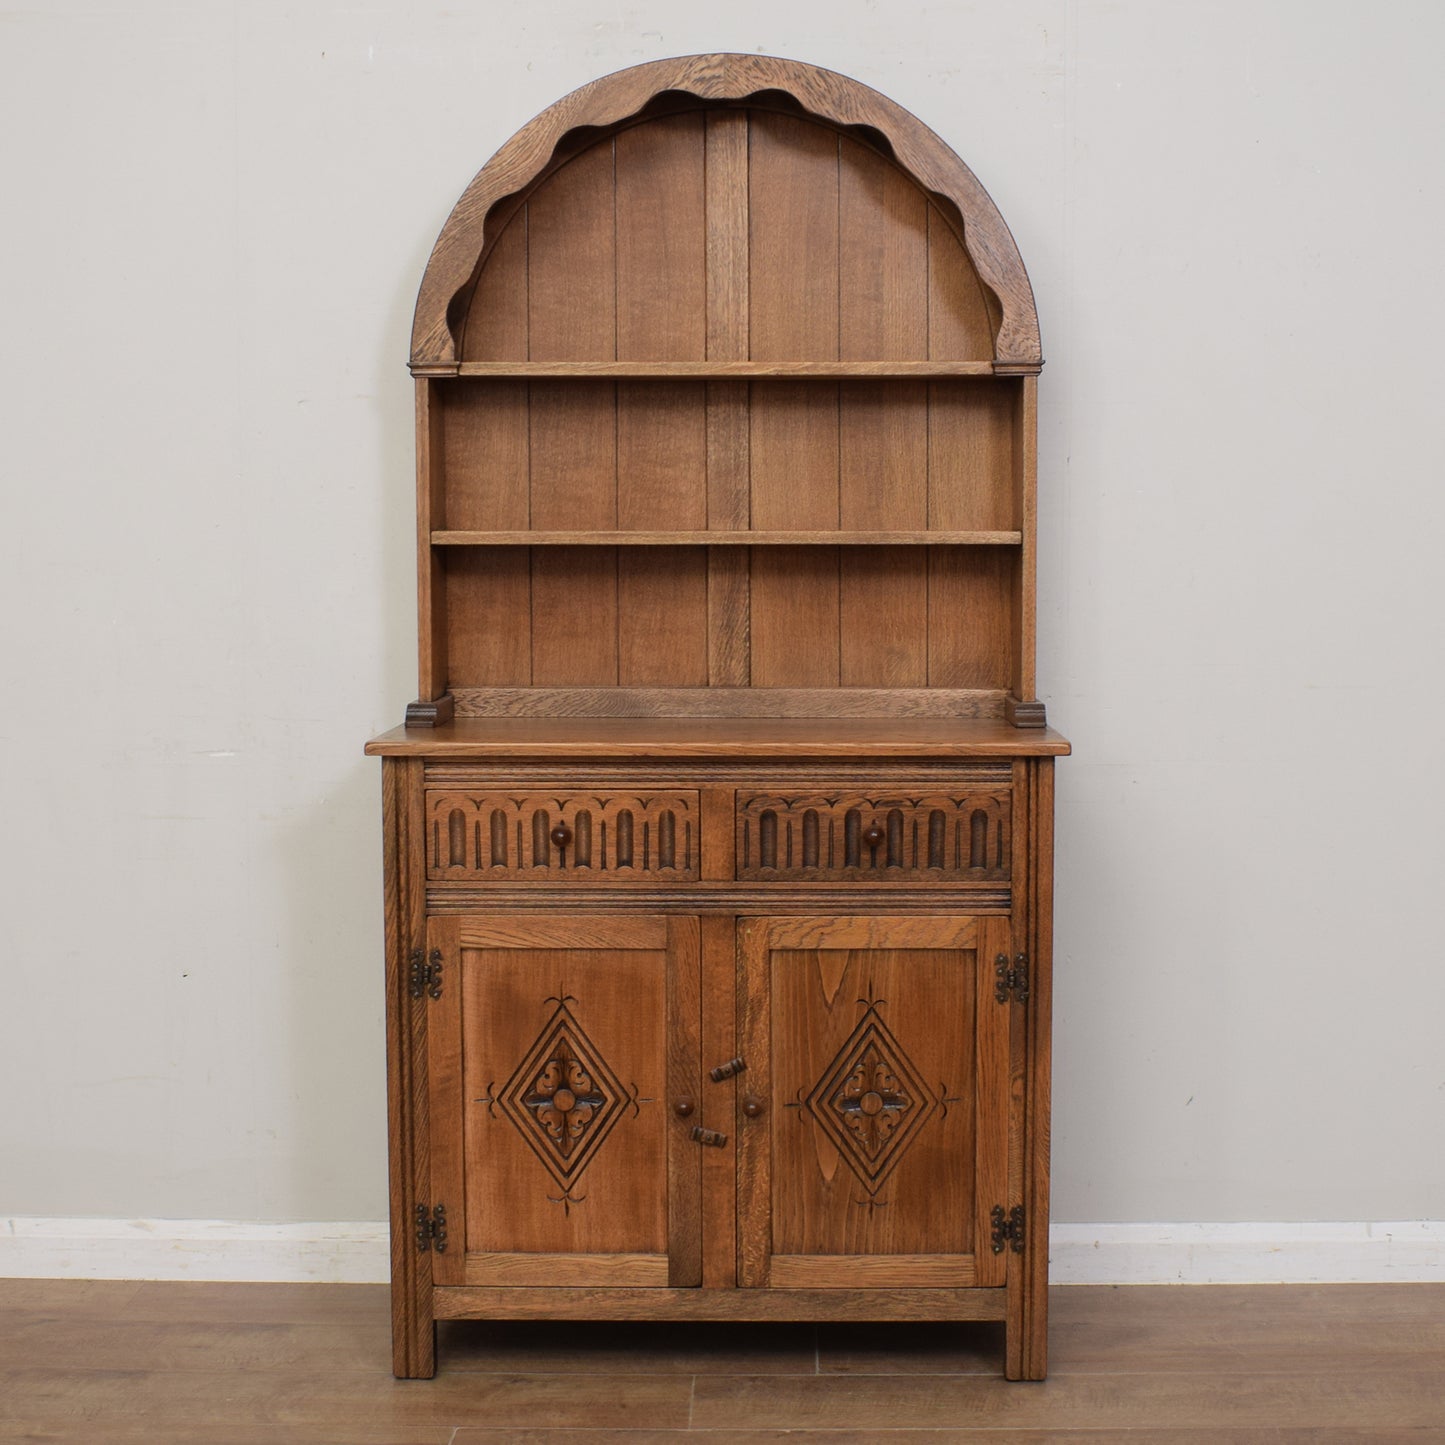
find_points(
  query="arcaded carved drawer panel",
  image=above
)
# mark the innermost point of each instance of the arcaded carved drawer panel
(880, 837)
(543, 837)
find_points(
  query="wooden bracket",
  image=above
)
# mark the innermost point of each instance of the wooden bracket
(1024, 714)
(424, 714)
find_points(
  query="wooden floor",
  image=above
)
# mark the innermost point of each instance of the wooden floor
(117, 1363)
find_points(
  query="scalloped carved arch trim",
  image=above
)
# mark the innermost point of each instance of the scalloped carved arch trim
(615, 99)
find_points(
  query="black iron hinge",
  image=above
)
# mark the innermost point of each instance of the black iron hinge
(426, 973)
(1011, 981)
(431, 1229)
(1008, 1229)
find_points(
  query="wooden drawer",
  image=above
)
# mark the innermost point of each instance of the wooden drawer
(511, 835)
(957, 836)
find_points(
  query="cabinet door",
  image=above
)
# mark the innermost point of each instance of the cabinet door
(557, 1052)
(873, 1123)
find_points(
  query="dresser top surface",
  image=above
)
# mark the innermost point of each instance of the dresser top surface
(721, 738)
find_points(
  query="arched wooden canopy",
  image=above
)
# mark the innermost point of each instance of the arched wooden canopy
(618, 102)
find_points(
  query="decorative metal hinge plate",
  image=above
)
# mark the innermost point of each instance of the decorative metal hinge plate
(709, 1138)
(431, 1229)
(426, 973)
(1008, 1229)
(729, 1070)
(1011, 981)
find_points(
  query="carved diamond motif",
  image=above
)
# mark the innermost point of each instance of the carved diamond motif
(563, 1098)
(870, 1101)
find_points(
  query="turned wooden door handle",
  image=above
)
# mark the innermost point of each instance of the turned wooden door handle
(752, 1106)
(561, 835)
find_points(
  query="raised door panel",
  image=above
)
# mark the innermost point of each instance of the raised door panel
(873, 1132)
(556, 1051)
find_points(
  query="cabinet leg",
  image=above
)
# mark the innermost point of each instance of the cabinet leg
(413, 1347)
(1026, 1330)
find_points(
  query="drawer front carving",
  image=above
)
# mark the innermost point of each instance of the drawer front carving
(543, 837)
(880, 837)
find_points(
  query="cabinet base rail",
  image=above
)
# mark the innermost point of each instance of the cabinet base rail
(465, 1302)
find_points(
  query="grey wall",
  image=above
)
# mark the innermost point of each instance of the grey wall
(216, 218)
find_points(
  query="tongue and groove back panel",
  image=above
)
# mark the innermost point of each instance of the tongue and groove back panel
(729, 235)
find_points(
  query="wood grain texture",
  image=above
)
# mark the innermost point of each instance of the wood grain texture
(793, 239)
(579, 931)
(283, 1364)
(431, 598)
(726, 190)
(446, 1130)
(869, 1271)
(786, 653)
(862, 1020)
(740, 900)
(725, 738)
(883, 452)
(574, 1033)
(795, 619)
(719, 1304)
(661, 231)
(754, 1136)
(1025, 577)
(662, 618)
(718, 1101)
(572, 260)
(489, 603)
(649, 538)
(971, 481)
(830, 98)
(574, 616)
(722, 371)
(495, 331)
(413, 1335)
(684, 1081)
(573, 444)
(662, 457)
(969, 627)
(959, 326)
(486, 445)
(793, 456)
(882, 259)
(839, 1014)
(729, 618)
(882, 617)
(570, 1270)
(1040, 932)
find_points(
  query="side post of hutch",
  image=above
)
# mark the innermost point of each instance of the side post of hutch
(718, 841)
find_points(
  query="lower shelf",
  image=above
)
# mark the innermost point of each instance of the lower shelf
(506, 1303)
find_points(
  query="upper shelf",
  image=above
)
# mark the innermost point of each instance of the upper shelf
(726, 539)
(733, 370)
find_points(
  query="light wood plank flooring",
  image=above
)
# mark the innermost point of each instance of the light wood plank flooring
(123, 1363)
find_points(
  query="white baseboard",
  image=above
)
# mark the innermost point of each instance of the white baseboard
(215, 1249)
(357, 1253)
(1348, 1253)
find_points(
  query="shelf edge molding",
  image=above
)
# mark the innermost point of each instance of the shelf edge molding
(726, 539)
(838, 100)
(733, 370)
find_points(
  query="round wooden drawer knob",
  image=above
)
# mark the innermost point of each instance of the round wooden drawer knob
(874, 836)
(561, 835)
(683, 1108)
(752, 1106)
